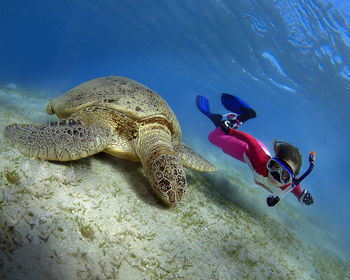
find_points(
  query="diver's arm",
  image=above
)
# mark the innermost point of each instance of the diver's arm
(304, 196)
(297, 191)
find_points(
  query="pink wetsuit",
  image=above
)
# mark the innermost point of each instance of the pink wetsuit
(246, 148)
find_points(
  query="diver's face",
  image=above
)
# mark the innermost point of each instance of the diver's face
(275, 183)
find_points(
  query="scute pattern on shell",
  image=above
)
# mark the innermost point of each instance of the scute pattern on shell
(117, 93)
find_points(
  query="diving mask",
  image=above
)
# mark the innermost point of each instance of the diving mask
(280, 170)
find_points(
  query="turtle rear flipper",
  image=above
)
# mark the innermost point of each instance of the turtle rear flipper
(63, 141)
(191, 159)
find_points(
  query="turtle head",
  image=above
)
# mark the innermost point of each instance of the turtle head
(167, 178)
(162, 166)
(49, 109)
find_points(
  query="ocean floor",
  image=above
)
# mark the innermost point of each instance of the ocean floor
(97, 218)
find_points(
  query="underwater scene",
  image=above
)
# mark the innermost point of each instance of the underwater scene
(117, 179)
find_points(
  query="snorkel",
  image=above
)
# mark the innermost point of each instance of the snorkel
(273, 199)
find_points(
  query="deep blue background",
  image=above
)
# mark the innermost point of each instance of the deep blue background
(289, 60)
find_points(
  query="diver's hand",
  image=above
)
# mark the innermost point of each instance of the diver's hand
(306, 198)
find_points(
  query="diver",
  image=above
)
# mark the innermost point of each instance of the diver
(277, 174)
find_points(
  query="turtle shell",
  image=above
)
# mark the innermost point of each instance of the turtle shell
(121, 94)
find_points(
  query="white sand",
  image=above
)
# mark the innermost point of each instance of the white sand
(97, 218)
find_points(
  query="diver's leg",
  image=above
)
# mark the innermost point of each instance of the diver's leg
(229, 144)
(216, 119)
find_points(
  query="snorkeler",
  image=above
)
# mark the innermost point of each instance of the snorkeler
(277, 174)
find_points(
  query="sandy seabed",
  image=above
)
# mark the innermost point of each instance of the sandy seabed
(97, 218)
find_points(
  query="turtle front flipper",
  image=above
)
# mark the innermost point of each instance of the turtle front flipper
(191, 159)
(63, 141)
(163, 168)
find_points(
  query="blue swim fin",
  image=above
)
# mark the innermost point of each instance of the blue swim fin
(233, 103)
(238, 106)
(203, 106)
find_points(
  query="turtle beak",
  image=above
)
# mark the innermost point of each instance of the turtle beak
(49, 109)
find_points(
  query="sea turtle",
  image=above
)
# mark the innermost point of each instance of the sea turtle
(118, 116)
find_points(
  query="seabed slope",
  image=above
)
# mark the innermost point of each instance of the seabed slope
(97, 218)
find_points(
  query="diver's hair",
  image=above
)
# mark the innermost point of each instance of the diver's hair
(286, 151)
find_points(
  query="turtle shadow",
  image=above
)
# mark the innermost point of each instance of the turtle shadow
(132, 173)
(135, 178)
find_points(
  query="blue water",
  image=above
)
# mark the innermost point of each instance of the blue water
(290, 60)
